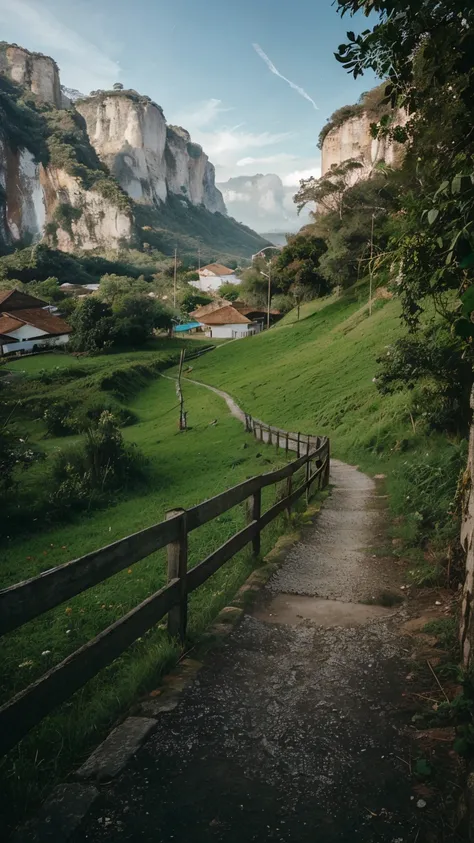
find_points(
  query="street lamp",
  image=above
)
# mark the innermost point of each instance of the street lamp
(269, 295)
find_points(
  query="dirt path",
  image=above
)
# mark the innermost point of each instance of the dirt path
(293, 730)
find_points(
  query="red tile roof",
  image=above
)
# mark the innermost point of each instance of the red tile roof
(42, 319)
(225, 316)
(16, 300)
(218, 269)
(9, 323)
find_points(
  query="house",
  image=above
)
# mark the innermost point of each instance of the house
(225, 322)
(26, 322)
(212, 276)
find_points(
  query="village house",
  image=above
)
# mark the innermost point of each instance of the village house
(224, 321)
(212, 276)
(26, 323)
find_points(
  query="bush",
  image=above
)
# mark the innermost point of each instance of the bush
(102, 465)
(58, 419)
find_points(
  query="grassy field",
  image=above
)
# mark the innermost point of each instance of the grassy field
(317, 375)
(184, 468)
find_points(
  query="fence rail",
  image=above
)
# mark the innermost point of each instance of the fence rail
(26, 600)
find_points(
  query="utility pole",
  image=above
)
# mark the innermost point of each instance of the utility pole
(174, 275)
(269, 293)
(370, 264)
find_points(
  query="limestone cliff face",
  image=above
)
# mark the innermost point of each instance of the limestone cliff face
(149, 159)
(38, 73)
(32, 195)
(353, 139)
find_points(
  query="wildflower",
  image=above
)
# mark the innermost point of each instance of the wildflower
(45, 652)
(129, 571)
(68, 611)
(68, 631)
(374, 380)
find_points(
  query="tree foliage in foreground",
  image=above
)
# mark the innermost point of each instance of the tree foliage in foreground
(425, 50)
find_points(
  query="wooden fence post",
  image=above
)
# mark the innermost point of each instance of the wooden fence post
(278, 440)
(286, 443)
(255, 511)
(269, 435)
(328, 466)
(177, 553)
(289, 489)
(298, 446)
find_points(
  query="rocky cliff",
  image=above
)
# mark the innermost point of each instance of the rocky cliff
(347, 136)
(149, 159)
(102, 172)
(38, 73)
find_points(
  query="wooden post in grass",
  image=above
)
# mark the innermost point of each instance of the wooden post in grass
(255, 511)
(328, 466)
(298, 445)
(308, 471)
(287, 443)
(269, 435)
(177, 554)
(278, 440)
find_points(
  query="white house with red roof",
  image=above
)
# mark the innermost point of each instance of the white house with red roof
(26, 322)
(212, 276)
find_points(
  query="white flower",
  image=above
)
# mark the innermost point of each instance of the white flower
(45, 652)
(68, 631)
(374, 380)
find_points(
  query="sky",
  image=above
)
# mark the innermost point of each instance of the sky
(253, 82)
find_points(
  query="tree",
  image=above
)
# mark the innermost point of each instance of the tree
(328, 191)
(229, 291)
(118, 86)
(114, 286)
(299, 263)
(192, 300)
(94, 326)
(431, 74)
(136, 317)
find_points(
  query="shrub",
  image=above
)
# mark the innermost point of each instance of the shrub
(91, 471)
(58, 419)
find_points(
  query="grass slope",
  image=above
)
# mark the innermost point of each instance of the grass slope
(317, 375)
(184, 469)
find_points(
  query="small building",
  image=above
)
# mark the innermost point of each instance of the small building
(212, 276)
(227, 323)
(26, 323)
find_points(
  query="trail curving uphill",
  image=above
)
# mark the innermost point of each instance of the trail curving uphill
(293, 729)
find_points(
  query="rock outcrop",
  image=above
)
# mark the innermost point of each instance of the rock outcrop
(353, 140)
(149, 159)
(37, 73)
(34, 196)
(103, 171)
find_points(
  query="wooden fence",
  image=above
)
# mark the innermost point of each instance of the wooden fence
(26, 600)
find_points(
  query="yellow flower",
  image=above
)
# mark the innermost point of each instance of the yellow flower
(68, 611)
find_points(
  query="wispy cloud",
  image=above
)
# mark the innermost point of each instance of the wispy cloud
(84, 65)
(273, 69)
(201, 114)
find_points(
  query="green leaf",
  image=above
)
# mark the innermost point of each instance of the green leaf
(433, 215)
(351, 36)
(464, 328)
(468, 301)
(461, 183)
(442, 188)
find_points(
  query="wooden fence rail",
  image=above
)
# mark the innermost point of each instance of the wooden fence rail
(26, 600)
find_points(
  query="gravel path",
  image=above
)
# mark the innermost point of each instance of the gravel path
(293, 729)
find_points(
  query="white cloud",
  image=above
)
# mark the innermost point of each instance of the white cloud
(280, 158)
(293, 179)
(272, 69)
(202, 114)
(235, 196)
(84, 64)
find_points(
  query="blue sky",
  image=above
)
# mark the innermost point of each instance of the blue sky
(197, 60)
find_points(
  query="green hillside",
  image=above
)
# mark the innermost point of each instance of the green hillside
(317, 375)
